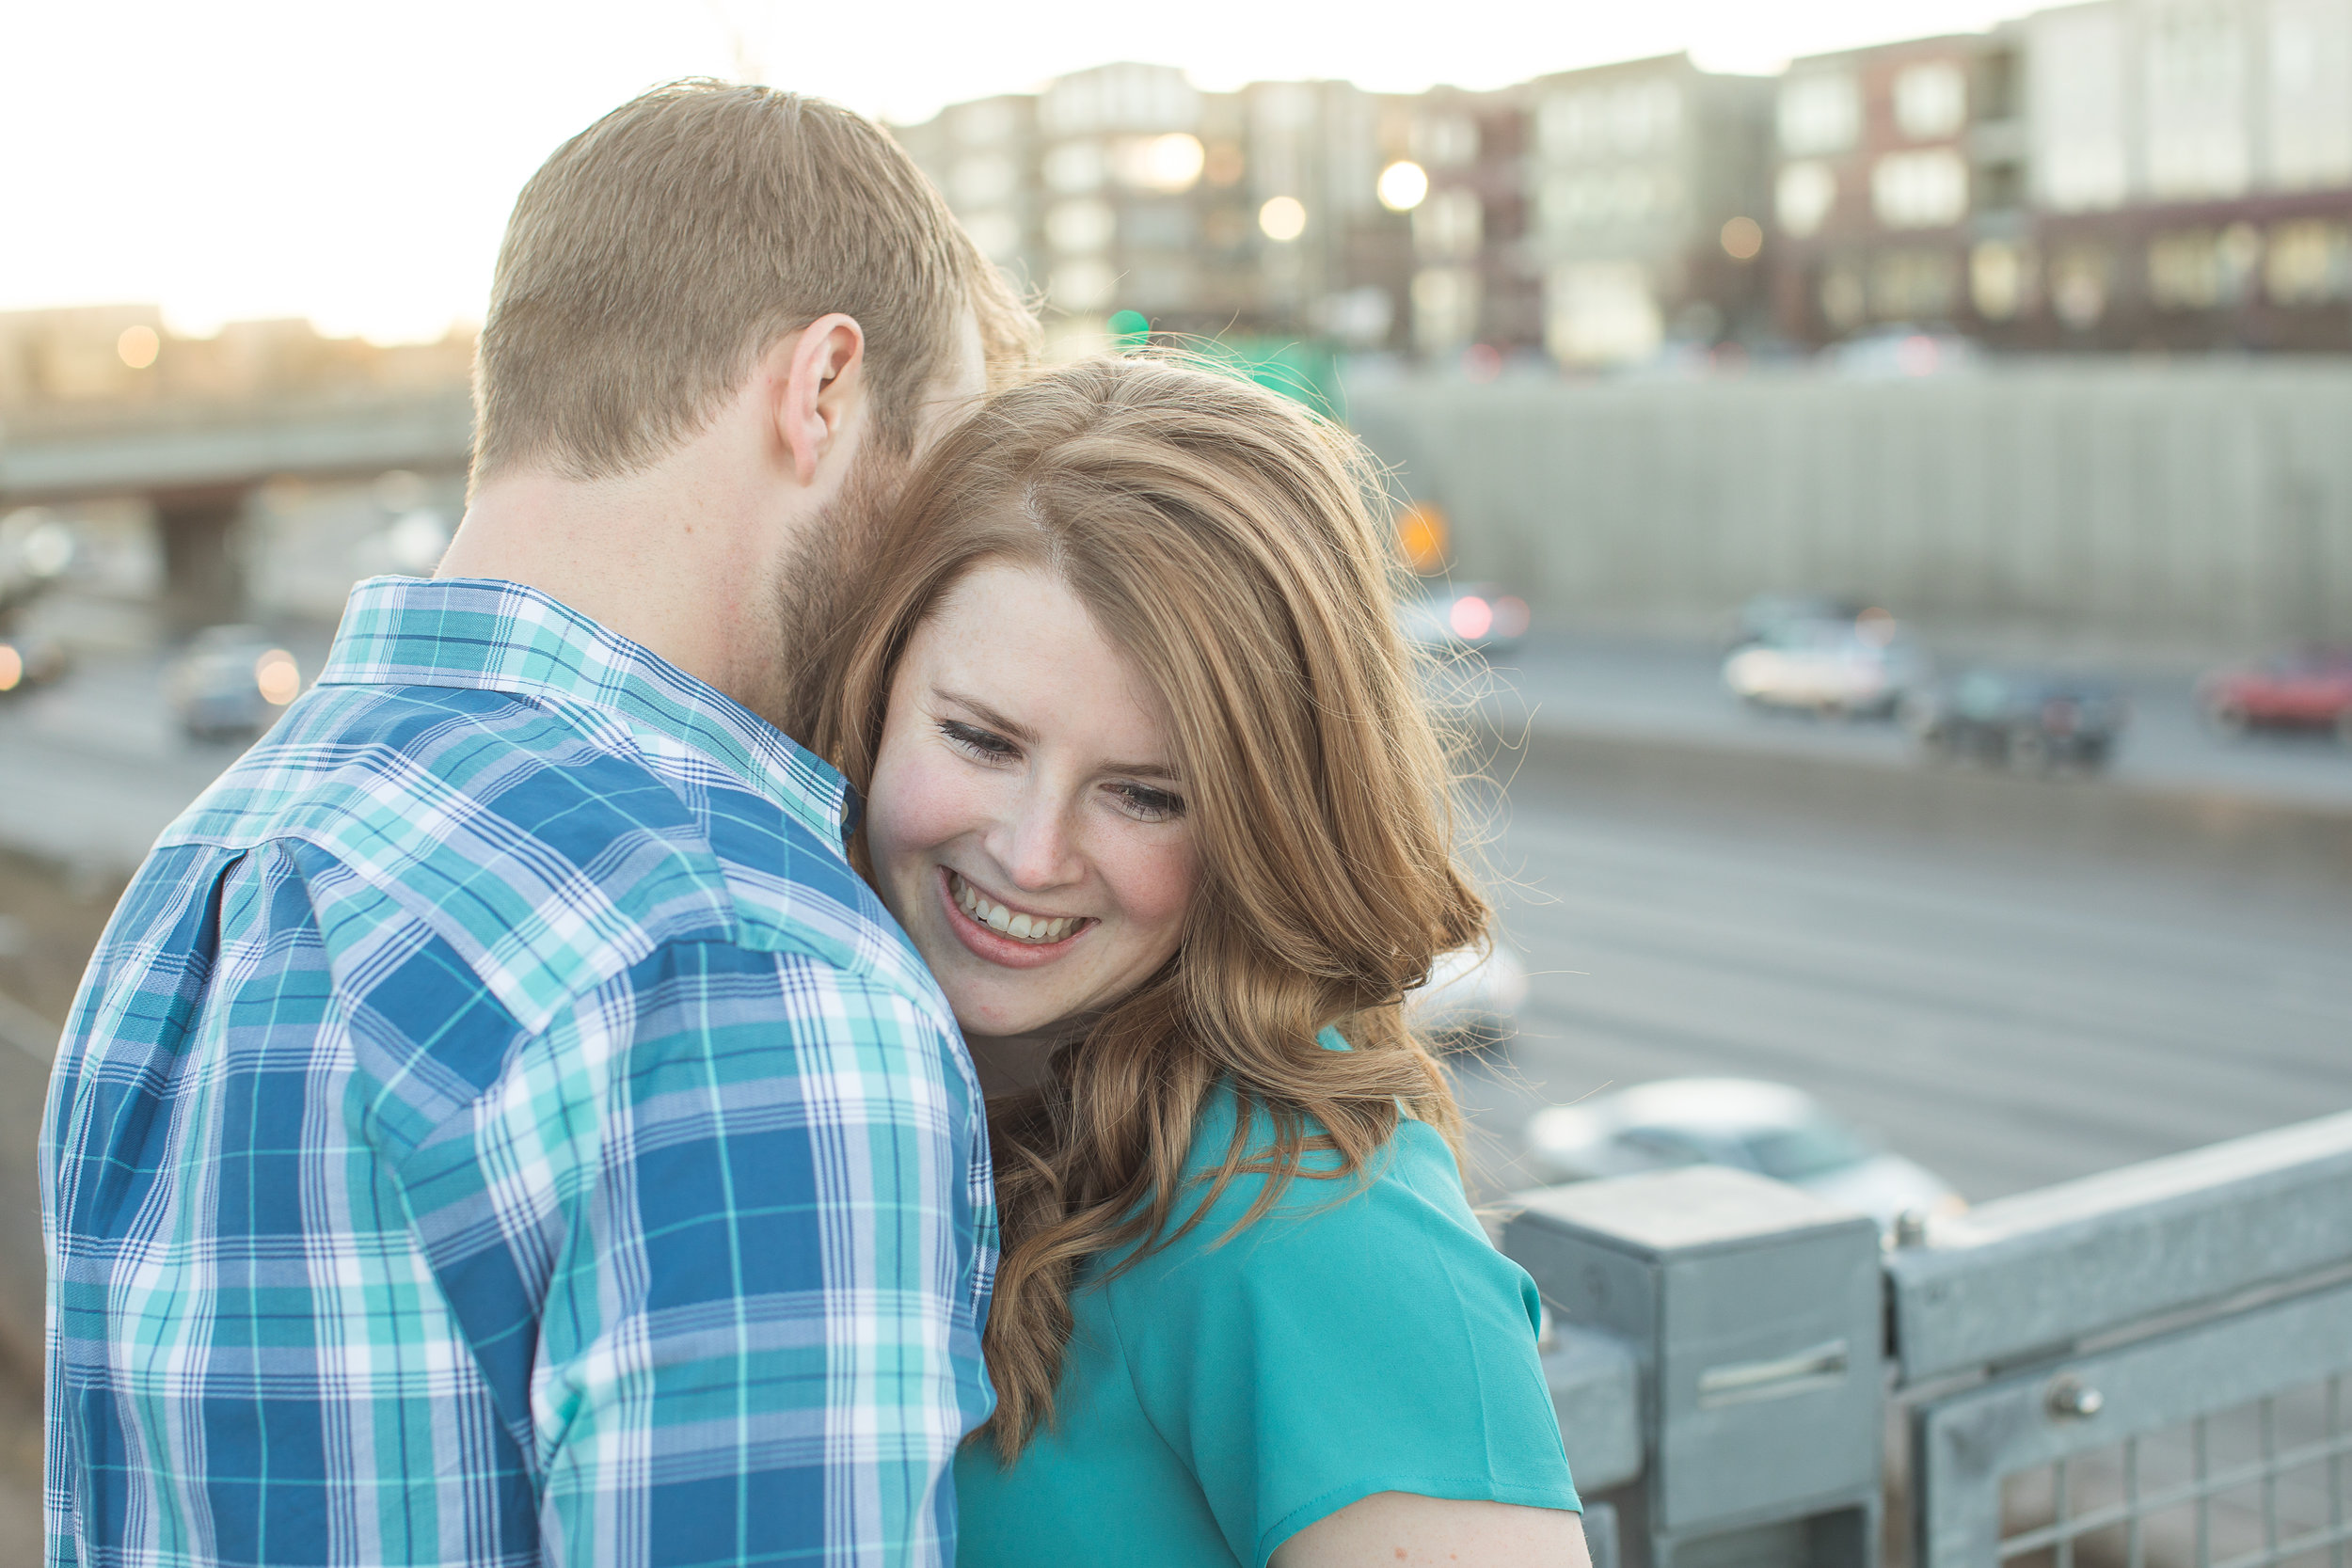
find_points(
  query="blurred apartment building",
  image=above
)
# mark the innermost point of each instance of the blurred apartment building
(2122, 175)
(2128, 174)
(1124, 188)
(1583, 214)
(1648, 183)
(2190, 171)
(1899, 191)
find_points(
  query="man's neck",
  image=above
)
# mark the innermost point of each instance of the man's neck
(679, 560)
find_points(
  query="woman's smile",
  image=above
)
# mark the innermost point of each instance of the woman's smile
(1001, 932)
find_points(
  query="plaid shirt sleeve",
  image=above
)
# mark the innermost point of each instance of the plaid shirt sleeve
(734, 1179)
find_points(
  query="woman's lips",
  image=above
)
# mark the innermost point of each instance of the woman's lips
(995, 946)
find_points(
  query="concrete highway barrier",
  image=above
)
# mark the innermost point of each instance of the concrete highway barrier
(2091, 818)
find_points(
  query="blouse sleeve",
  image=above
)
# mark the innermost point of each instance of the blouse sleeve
(1359, 1338)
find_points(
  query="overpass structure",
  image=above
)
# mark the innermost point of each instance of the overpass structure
(199, 465)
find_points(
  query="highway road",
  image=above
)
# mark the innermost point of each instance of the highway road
(1662, 689)
(2008, 1015)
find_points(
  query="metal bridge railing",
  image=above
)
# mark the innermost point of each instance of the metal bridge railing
(2145, 1370)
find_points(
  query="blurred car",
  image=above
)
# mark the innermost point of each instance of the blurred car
(231, 681)
(2019, 718)
(1861, 668)
(1471, 999)
(1891, 353)
(26, 663)
(1768, 1128)
(1767, 613)
(1479, 617)
(2309, 688)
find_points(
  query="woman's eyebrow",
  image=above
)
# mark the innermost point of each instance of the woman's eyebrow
(1028, 737)
(987, 715)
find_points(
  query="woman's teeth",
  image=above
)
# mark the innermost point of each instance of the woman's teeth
(1020, 928)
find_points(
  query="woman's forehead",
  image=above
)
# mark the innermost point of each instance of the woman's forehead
(1013, 639)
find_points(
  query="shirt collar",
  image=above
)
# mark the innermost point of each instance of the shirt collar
(494, 636)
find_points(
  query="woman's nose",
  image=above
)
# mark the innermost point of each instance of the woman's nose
(1036, 845)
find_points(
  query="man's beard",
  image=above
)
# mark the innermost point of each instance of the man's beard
(821, 585)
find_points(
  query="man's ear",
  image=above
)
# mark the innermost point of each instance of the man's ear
(824, 386)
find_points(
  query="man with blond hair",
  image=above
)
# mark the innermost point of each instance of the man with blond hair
(498, 1128)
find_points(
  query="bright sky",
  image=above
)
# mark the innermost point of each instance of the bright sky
(354, 163)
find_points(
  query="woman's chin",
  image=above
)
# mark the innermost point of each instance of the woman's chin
(987, 1023)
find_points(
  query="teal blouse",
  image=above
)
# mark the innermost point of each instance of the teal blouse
(1218, 1398)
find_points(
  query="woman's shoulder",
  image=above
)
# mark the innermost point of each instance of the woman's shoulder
(1275, 1356)
(1408, 1185)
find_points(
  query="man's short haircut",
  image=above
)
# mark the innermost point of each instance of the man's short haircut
(660, 251)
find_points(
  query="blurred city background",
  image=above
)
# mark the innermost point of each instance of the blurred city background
(1889, 511)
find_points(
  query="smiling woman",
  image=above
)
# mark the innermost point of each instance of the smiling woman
(1149, 787)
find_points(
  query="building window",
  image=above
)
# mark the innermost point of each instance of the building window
(1570, 126)
(1919, 190)
(1445, 308)
(985, 180)
(1842, 301)
(2309, 262)
(1160, 226)
(2199, 269)
(2311, 80)
(1079, 226)
(2075, 66)
(1075, 168)
(1625, 120)
(1445, 141)
(2195, 103)
(1913, 285)
(1930, 101)
(2081, 277)
(1819, 112)
(1448, 226)
(1601, 314)
(2000, 279)
(1804, 196)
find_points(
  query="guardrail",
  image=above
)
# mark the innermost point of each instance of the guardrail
(2145, 1368)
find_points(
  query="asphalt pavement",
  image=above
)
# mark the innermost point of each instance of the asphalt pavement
(2006, 1016)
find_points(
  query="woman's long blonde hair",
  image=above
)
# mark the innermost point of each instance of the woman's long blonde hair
(1221, 537)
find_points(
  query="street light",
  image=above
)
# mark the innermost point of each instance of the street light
(1284, 218)
(1402, 186)
(138, 346)
(1170, 163)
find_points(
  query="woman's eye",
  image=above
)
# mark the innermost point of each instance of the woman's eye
(1151, 805)
(983, 744)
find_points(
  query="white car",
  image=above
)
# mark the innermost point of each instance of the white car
(1471, 999)
(1831, 667)
(1768, 1128)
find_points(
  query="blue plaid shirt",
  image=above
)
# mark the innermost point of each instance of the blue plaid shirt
(499, 1128)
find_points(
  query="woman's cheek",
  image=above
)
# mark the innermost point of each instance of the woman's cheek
(919, 804)
(1152, 877)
